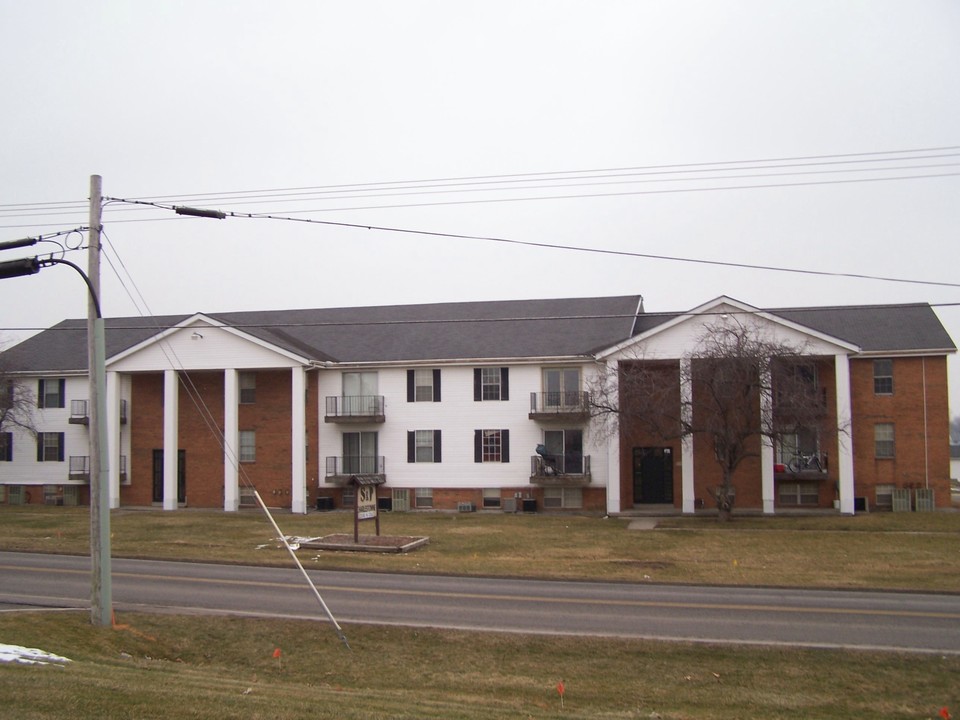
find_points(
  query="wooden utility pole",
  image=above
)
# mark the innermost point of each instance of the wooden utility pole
(101, 603)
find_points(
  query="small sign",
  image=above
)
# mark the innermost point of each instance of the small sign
(367, 502)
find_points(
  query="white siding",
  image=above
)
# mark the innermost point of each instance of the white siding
(457, 415)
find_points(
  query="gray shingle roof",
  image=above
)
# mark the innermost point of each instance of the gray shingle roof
(472, 330)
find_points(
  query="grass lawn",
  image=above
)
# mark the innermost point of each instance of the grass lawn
(164, 666)
(906, 551)
(190, 667)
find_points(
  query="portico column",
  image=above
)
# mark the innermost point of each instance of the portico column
(766, 442)
(171, 416)
(613, 444)
(687, 491)
(844, 434)
(231, 435)
(298, 440)
(113, 438)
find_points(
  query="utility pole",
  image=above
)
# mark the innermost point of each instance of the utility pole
(101, 603)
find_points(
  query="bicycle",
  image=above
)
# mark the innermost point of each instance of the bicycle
(801, 462)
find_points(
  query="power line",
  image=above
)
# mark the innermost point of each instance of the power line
(571, 248)
(567, 178)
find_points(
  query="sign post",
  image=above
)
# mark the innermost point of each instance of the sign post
(366, 506)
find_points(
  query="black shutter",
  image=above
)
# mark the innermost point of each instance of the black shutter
(504, 383)
(436, 385)
(504, 446)
(478, 445)
(60, 449)
(40, 445)
(436, 446)
(62, 392)
(411, 446)
(477, 387)
(411, 389)
(40, 394)
(8, 446)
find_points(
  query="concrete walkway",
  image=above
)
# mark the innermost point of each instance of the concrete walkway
(643, 523)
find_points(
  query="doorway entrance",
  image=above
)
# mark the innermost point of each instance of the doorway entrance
(181, 476)
(652, 476)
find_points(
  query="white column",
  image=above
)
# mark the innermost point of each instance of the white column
(844, 434)
(231, 437)
(687, 491)
(298, 440)
(766, 442)
(171, 414)
(614, 498)
(113, 438)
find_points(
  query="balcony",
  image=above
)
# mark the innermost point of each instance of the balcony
(340, 469)
(572, 406)
(802, 467)
(79, 467)
(355, 409)
(560, 471)
(80, 415)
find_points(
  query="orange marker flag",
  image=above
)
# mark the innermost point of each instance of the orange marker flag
(560, 690)
(276, 654)
(945, 714)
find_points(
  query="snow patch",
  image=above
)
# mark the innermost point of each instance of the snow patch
(29, 656)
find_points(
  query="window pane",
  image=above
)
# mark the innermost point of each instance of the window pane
(51, 447)
(490, 381)
(424, 445)
(884, 440)
(491, 446)
(883, 377)
(248, 387)
(423, 385)
(248, 446)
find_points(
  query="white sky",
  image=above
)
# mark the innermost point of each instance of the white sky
(184, 98)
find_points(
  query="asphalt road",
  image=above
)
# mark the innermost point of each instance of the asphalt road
(805, 618)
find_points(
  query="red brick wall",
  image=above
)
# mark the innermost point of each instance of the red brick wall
(270, 418)
(919, 410)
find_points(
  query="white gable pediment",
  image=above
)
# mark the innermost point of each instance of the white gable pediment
(200, 343)
(680, 335)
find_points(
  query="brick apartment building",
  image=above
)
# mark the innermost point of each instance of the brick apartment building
(484, 404)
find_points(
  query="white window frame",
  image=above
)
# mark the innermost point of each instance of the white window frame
(247, 446)
(491, 449)
(248, 387)
(491, 498)
(424, 451)
(884, 441)
(798, 493)
(562, 498)
(423, 385)
(423, 498)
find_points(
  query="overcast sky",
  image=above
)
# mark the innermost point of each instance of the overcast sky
(632, 122)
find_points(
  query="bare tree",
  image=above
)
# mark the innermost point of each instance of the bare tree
(736, 387)
(17, 402)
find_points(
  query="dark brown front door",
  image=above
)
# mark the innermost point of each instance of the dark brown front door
(652, 475)
(158, 476)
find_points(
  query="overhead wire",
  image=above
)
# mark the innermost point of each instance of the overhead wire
(568, 178)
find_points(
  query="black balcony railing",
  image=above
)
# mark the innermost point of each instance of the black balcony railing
(80, 412)
(79, 467)
(560, 403)
(554, 465)
(355, 465)
(355, 407)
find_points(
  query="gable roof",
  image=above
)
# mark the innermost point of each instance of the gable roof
(544, 328)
